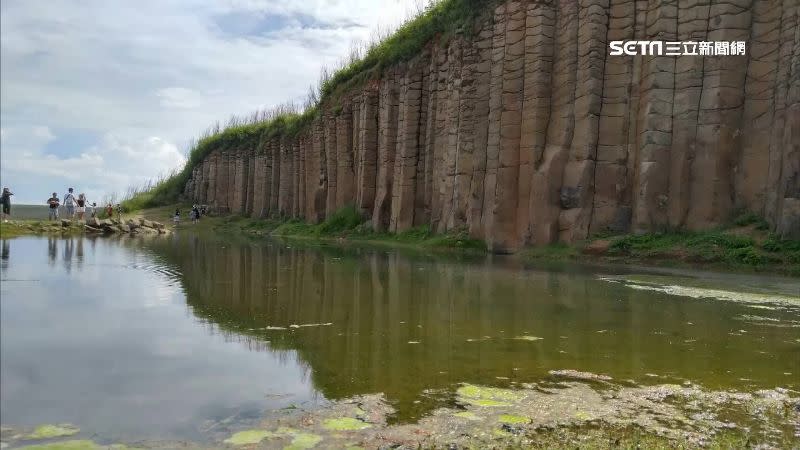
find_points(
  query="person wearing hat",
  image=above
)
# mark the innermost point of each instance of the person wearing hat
(5, 199)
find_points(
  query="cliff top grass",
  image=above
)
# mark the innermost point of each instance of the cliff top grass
(443, 19)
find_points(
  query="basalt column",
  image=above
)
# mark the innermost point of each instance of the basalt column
(316, 183)
(503, 235)
(368, 151)
(719, 119)
(345, 175)
(539, 41)
(387, 143)
(546, 194)
(693, 23)
(260, 173)
(654, 123)
(451, 140)
(481, 72)
(330, 163)
(579, 184)
(405, 176)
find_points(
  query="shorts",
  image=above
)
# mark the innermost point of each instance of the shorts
(6, 209)
(53, 213)
(70, 209)
(81, 209)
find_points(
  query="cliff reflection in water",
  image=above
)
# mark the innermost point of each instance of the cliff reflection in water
(414, 327)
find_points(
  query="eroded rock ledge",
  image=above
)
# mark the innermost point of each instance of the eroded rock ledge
(524, 131)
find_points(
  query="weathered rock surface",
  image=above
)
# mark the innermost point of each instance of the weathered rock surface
(525, 131)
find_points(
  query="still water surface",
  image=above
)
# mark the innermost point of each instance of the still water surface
(134, 338)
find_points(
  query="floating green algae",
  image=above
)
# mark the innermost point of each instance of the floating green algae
(303, 441)
(249, 437)
(488, 396)
(513, 420)
(53, 431)
(66, 445)
(467, 415)
(345, 424)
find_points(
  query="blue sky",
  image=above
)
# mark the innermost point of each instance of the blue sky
(106, 94)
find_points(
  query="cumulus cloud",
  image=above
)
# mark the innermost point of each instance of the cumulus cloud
(143, 78)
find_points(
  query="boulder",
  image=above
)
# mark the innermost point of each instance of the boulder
(66, 222)
(599, 247)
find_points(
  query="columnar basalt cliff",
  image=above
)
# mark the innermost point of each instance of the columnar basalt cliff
(524, 131)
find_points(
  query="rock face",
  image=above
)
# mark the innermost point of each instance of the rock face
(525, 131)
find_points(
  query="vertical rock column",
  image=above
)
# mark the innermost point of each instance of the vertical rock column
(345, 175)
(577, 191)
(387, 143)
(368, 151)
(260, 175)
(317, 174)
(331, 168)
(251, 172)
(503, 236)
(405, 176)
(539, 39)
(752, 171)
(422, 215)
(650, 200)
(719, 119)
(481, 72)
(285, 186)
(546, 183)
(782, 179)
(452, 139)
(494, 117)
(692, 26)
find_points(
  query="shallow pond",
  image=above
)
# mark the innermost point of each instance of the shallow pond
(167, 338)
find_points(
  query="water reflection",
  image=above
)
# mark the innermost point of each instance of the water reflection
(154, 337)
(414, 327)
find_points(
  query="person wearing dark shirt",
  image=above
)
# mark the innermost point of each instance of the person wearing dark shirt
(53, 202)
(5, 199)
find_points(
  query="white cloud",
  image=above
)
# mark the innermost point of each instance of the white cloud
(125, 72)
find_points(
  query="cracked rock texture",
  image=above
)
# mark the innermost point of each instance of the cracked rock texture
(524, 131)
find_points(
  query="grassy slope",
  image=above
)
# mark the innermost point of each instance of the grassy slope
(442, 20)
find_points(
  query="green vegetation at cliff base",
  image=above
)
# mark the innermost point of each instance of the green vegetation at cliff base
(347, 224)
(745, 243)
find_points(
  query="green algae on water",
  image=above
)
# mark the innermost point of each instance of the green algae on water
(303, 441)
(487, 396)
(53, 431)
(467, 415)
(65, 445)
(513, 420)
(248, 437)
(345, 424)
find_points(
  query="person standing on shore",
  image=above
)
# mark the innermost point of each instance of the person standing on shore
(5, 199)
(53, 203)
(69, 203)
(81, 206)
(110, 211)
(94, 210)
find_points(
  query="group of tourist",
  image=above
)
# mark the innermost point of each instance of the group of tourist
(195, 213)
(76, 207)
